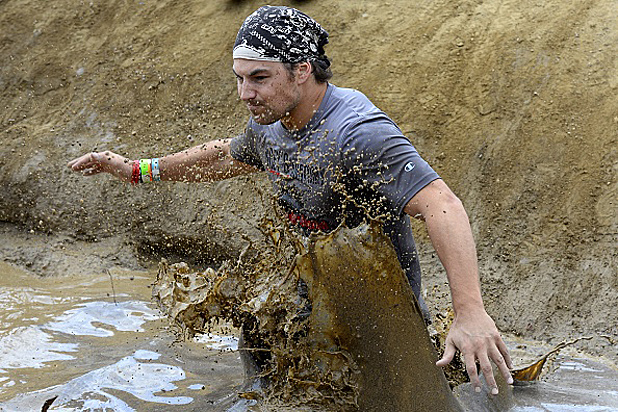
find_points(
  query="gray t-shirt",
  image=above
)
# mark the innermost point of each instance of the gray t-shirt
(349, 160)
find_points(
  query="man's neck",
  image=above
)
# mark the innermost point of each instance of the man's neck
(306, 108)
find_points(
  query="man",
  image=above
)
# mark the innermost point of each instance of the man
(332, 156)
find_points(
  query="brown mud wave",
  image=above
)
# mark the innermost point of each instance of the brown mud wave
(364, 345)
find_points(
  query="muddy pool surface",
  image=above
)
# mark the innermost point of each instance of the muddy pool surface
(74, 338)
(94, 347)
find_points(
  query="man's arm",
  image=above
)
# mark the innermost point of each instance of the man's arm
(208, 162)
(473, 331)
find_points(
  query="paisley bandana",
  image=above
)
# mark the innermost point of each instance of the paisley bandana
(281, 34)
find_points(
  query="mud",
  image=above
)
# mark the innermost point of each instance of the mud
(324, 347)
(362, 304)
(64, 338)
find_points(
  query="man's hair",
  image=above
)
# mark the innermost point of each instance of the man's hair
(320, 68)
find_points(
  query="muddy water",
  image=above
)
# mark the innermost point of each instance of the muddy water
(323, 347)
(98, 348)
(572, 382)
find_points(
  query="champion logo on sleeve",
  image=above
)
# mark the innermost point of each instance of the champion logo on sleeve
(409, 167)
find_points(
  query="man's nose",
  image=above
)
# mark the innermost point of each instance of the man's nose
(245, 91)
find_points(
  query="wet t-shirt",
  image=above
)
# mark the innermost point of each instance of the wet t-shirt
(349, 162)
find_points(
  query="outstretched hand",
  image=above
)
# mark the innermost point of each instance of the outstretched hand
(102, 162)
(478, 339)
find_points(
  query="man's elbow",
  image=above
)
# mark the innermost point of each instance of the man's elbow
(452, 202)
(434, 200)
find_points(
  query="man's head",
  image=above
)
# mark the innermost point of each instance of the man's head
(281, 34)
(277, 51)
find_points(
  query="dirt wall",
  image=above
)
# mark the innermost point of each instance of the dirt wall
(513, 103)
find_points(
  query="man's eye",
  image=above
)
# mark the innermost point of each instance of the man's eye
(260, 78)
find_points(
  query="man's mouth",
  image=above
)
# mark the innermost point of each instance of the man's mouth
(257, 110)
(253, 105)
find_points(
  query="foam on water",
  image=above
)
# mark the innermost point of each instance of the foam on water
(123, 316)
(31, 347)
(217, 342)
(90, 391)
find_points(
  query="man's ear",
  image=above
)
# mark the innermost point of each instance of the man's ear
(303, 71)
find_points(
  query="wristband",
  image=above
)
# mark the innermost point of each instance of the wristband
(156, 172)
(135, 174)
(145, 166)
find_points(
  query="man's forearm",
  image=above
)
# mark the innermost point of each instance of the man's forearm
(204, 163)
(473, 331)
(451, 236)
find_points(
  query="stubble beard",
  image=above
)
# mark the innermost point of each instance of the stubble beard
(268, 115)
(265, 116)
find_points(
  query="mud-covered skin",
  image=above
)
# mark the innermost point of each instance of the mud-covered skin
(364, 345)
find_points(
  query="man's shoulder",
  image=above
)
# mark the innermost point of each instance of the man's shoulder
(356, 114)
(354, 107)
(352, 100)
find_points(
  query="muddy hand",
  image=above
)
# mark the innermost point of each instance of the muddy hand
(478, 339)
(102, 162)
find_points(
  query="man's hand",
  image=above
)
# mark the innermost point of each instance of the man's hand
(103, 162)
(478, 339)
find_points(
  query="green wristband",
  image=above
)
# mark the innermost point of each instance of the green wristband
(145, 168)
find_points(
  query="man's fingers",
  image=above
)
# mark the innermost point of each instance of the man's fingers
(87, 161)
(449, 353)
(470, 361)
(91, 172)
(73, 164)
(501, 363)
(504, 351)
(82, 162)
(488, 373)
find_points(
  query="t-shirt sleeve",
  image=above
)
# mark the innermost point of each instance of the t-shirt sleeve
(384, 160)
(244, 147)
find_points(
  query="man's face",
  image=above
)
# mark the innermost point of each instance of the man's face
(267, 88)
